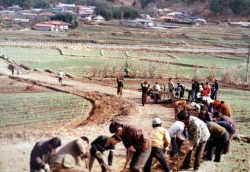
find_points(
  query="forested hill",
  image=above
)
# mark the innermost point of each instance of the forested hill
(219, 7)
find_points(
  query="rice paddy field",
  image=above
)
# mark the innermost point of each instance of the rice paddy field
(26, 110)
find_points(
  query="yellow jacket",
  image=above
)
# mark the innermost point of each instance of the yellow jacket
(160, 137)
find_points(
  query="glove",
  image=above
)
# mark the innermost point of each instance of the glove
(46, 167)
(97, 153)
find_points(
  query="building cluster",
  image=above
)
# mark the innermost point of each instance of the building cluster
(40, 17)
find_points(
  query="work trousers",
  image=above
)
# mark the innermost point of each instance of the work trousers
(144, 99)
(176, 145)
(220, 144)
(139, 160)
(182, 92)
(159, 154)
(227, 148)
(199, 150)
(119, 90)
(91, 162)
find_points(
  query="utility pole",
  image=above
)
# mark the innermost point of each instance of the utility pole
(247, 64)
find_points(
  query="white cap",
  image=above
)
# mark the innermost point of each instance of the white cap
(156, 121)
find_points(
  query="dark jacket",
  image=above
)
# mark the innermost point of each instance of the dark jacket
(228, 119)
(120, 84)
(205, 117)
(227, 126)
(144, 88)
(99, 144)
(216, 85)
(135, 136)
(40, 155)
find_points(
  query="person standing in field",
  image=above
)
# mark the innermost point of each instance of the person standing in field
(136, 141)
(99, 145)
(223, 118)
(216, 86)
(177, 137)
(197, 132)
(170, 86)
(160, 141)
(119, 87)
(218, 139)
(144, 86)
(41, 154)
(60, 77)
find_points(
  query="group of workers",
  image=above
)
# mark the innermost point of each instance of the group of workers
(205, 132)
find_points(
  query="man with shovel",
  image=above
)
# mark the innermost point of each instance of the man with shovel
(136, 141)
(99, 145)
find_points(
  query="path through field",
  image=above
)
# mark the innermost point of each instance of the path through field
(15, 151)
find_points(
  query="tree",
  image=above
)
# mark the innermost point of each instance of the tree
(66, 17)
(214, 6)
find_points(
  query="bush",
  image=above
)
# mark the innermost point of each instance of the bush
(66, 17)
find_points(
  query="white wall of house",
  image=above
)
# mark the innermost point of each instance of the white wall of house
(44, 28)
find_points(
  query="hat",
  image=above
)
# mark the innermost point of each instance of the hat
(156, 121)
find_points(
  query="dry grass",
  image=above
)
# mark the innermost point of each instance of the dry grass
(30, 87)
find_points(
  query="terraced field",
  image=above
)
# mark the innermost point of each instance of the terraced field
(79, 61)
(31, 109)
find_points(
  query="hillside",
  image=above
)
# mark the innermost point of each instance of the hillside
(201, 9)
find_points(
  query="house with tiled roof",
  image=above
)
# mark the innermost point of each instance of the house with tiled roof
(45, 27)
(6, 20)
(58, 23)
(46, 14)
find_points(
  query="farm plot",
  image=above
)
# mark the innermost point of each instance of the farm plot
(30, 54)
(31, 109)
(204, 60)
(141, 54)
(110, 53)
(26, 51)
(81, 52)
(239, 102)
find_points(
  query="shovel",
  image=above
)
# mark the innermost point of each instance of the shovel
(130, 154)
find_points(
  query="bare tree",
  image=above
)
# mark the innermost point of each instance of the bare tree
(212, 72)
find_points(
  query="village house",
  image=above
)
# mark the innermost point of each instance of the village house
(45, 27)
(85, 9)
(6, 20)
(46, 14)
(61, 25)
(98, 19)
(241, 24)
(71, 7)
(138, 22)
(14, 8)
(20, 21)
